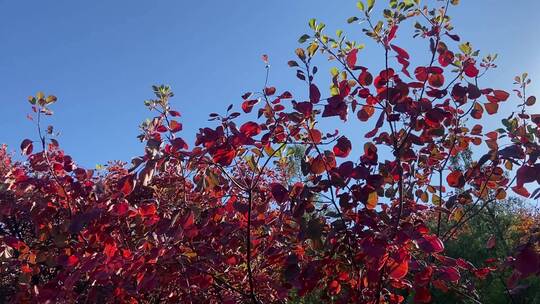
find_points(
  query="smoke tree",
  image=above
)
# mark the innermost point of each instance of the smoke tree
(222, 221)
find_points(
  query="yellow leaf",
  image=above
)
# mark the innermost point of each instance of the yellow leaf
(190, 254)
(458, 214)
(312, 48)
(436, 200)
(372, 200)
(252, 163)
(334, 90)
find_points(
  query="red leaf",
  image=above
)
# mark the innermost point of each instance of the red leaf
(161, 128)
(422, 295)
(481, 273)
(456, 179)
(121, 208)
(476, 130)
(72, 260)
(436, 80)
(343, 147)
(315, 136)
(127, 183)
(190, 220)
(279, 192)
(434, 70)
(317, 165)
(527, 261)
(365, 112)
(147, 210)
(27, 147)
(365, 78)
(491, 108)
(521, 191)
(314, 93)
(450, 274)
(351, 58)
(110, 249)
(526, 174)
(179, 144)
(174, 113)
(371, 133)
(421, 73)
(270, 91)
(430, 244)
(25, 268)
(247, 105)
(477, 111)
(401, 52)
(224, 155)
(250, 129)
(399, 270)
(446, 58)
(285, 95)
(501, 95)
(334, 287)
(231, 260)
(392, 33)
(305, 108)
(471, 70)
(175, 126)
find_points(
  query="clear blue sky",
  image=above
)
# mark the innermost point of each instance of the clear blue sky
(100, 58)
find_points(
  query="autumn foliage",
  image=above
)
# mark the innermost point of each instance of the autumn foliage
(221, 221)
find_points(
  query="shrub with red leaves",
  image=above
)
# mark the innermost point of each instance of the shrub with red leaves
(220, 222)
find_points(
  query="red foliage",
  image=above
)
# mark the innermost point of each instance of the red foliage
(223, 223)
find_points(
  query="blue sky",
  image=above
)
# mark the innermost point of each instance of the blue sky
(101, 57)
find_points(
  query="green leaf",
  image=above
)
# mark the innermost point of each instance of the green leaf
(320, 27)
(360, 5)
(303, 38)
(370, 4)
(312, 23)
(352, 19)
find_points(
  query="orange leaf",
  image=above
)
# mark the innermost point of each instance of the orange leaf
(491, 108)
(373, 199)
(398, 271)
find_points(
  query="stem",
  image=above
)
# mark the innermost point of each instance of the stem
(49, 165)
(248, 245)
(439, 215)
